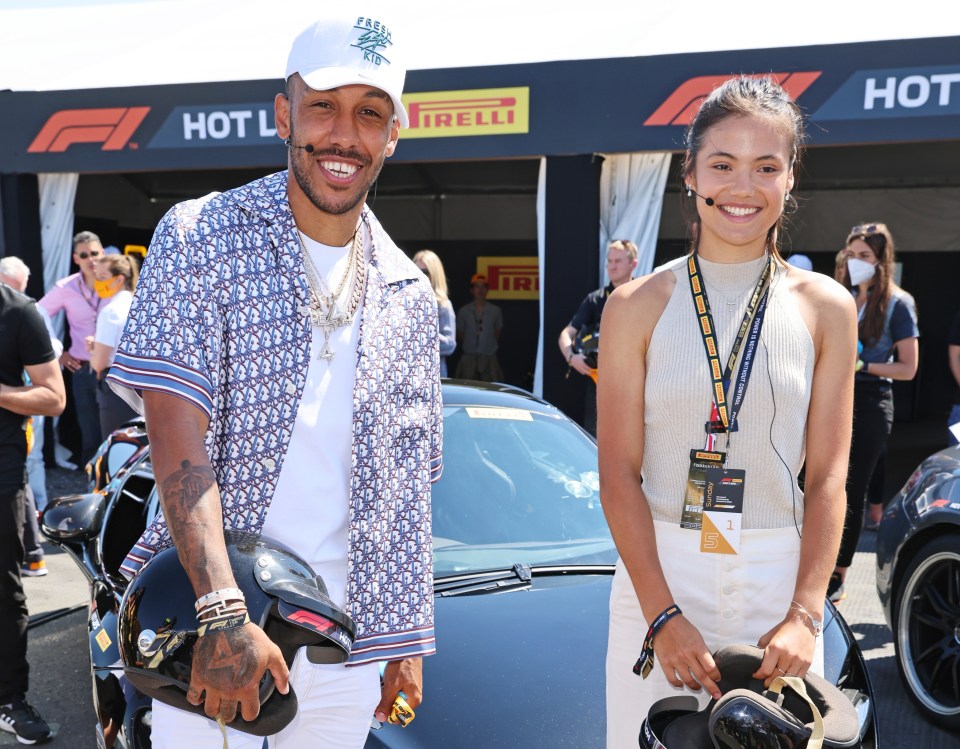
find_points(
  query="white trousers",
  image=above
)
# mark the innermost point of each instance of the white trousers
(731, 599)
(336, 706)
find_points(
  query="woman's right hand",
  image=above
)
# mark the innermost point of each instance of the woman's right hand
(684, 657)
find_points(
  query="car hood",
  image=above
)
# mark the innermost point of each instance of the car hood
(523, 667)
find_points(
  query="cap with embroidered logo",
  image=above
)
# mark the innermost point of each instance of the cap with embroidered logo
(345, 51)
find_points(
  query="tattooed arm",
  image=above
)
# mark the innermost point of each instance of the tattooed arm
(228, 665)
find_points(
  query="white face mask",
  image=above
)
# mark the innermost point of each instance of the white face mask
(860, 271)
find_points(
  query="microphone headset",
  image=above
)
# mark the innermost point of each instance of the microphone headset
(690, 191)
(309, 149)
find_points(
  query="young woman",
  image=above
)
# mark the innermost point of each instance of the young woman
(115, 278)
(752, 566)
(888, 351)
(428, 262)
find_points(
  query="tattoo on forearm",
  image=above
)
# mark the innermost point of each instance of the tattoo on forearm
(183, 489)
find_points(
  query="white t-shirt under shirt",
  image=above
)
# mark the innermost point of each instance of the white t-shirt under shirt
(111, 319)
(309, 510)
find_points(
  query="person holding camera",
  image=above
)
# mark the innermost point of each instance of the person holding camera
(621, 263)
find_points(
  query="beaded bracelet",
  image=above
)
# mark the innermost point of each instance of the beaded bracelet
(644, 664)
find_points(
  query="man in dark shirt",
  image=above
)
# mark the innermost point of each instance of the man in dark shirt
(24, 346)
(621, 263)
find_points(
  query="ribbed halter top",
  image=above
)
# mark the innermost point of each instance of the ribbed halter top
(769, 444)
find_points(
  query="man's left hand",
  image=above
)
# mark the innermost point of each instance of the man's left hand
(400, 676)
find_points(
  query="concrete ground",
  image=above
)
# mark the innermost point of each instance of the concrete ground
(60, 684)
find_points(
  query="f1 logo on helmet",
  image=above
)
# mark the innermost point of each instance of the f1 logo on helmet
(112, 127)
(680, 107)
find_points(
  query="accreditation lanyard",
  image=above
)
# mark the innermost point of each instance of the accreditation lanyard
(722, 419)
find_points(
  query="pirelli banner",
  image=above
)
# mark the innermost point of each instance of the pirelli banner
(515, 278)
(873, 92)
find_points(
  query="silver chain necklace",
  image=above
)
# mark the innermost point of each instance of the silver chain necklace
(326, 311)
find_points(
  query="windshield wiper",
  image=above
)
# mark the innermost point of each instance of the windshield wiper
(518, 576)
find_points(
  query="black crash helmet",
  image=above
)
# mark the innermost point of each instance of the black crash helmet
(806, 713)
(587, 343)
(158, 624)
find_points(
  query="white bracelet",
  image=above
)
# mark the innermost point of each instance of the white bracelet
(216, 613)
(219, 597)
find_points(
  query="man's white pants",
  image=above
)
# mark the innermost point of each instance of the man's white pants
(336, 706)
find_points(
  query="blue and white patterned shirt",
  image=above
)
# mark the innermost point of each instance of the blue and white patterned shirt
(221, 319)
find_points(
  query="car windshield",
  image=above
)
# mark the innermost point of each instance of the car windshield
(517, 487)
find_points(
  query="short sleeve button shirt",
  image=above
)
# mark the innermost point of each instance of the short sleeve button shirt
(220, 319)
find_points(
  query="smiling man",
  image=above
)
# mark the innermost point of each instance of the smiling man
(315, 422)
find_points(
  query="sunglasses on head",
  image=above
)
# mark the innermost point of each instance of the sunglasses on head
(92, 253)
(865, 229)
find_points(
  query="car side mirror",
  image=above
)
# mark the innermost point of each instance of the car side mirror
(75, 517)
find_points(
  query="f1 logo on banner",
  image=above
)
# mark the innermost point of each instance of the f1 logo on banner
(680, 107)
(111, 127)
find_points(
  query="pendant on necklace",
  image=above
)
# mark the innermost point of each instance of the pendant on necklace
(326, 353)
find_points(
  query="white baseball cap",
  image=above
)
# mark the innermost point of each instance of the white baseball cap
(344, 51)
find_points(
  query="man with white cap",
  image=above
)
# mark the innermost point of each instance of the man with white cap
(286, 351)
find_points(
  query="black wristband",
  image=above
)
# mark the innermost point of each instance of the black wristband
(644, 663)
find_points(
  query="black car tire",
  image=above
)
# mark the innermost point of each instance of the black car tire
(927, 630)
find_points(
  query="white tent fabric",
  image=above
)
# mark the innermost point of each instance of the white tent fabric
(50, 45)
(631, 199)
(542, 258)
(57, 193)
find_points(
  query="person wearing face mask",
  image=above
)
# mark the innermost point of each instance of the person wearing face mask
(115, 277)
(888, 351)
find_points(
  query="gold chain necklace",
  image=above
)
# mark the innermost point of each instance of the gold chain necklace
(326, 311)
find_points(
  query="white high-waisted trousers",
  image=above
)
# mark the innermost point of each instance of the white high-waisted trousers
(730, 599)
(335, 707)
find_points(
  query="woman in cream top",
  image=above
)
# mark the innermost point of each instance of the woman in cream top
(655, 394)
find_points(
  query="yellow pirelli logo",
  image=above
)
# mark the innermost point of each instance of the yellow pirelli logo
(482, 111)
(511, 277)
(702, 455)
(701, 306)
(695, 284)
(711, 347)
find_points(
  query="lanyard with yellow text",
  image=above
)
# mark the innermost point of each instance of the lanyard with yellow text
(723, 420)
(713, 493)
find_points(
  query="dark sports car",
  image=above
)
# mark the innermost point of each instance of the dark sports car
(918, 579)
(523, 563)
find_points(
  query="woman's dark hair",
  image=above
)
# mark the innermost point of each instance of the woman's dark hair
(746, 96)
(880, 240)
(122, 265)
